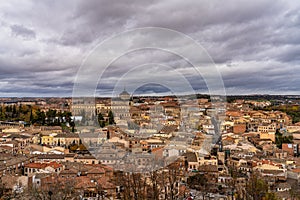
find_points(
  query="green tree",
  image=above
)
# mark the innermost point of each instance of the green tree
(280, 139)
(8, 109)
(101, 120)
(14, 111)
(111, 119)
(72, 124)
(31, 119)
(2, 113)
(271, 196)
(68, 116)
(50, 115)
(39, 117)
(20, 108)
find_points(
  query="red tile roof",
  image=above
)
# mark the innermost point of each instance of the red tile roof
(54, 165)
(297, 170)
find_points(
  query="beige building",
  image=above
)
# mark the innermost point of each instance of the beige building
(208, 160)
(267, 128)
(292, 128)
(267, 135)
(33, 168)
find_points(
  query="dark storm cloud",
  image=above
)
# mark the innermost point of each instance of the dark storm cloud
(20, 30)
(255, 44)
(151, 89)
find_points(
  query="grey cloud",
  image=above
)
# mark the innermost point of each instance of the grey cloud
(151, 89)
(22, 31)
(259, 39)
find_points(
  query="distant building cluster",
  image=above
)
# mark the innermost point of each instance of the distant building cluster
(173, 149)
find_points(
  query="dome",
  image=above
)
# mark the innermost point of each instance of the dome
(124, 95)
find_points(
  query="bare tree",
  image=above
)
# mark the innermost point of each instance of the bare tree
(156, 186)
(294, 192)
(171, 177)
(199, 183)
(134, 185)
(256, 188)
(56, 189)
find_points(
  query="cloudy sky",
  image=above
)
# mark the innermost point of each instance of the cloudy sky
(46, 46)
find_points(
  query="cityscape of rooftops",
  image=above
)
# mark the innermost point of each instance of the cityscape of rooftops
(149, 100)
